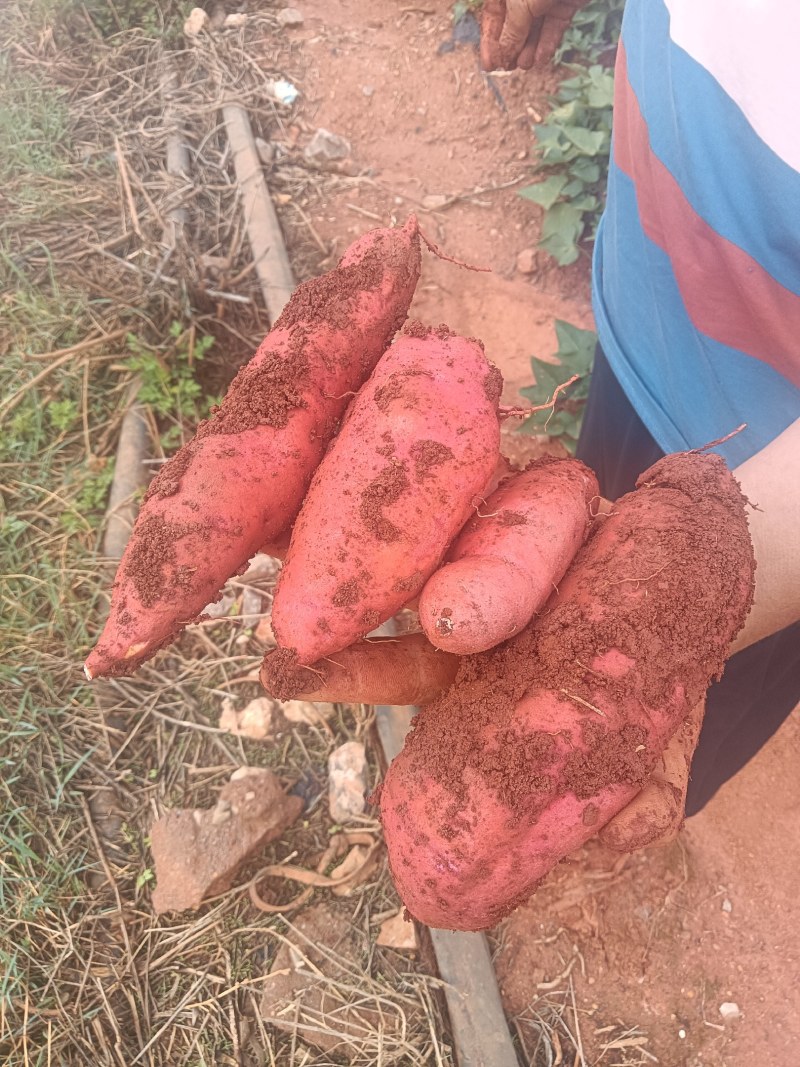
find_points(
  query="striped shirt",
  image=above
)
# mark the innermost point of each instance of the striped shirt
(697, 262)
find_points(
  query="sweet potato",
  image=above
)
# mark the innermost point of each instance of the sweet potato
(240, 482)
(509, 557)
(541, 741)
(418, 444)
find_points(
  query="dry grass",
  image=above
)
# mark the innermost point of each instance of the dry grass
(87, 973)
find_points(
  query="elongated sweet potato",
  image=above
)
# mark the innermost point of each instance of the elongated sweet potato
(541, 741)
(418, 445)
(509, 557)
(240, 482)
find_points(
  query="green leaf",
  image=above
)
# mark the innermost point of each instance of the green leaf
(575, 347)
(588, 142)
(573, 189)
(561, 230)
(545, 193)
(585, 203)
(585, 170)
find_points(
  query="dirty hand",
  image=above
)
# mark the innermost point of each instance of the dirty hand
(520, 33)
(409, 670)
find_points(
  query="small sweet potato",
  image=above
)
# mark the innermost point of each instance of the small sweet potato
(419, 444)
(540, 742)
(239, 484)
(510, 557)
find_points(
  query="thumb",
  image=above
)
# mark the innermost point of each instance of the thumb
(655, 815)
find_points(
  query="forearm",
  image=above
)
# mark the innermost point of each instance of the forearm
(771, 481)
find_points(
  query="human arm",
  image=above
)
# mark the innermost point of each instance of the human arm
(771, 482)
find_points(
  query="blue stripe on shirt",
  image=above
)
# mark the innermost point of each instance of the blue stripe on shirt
(687, 388)
(731, 178)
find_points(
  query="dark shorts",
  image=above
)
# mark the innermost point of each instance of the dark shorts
(761, 685)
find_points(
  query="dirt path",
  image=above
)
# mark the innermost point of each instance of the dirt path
(423, 125)
(660, 940)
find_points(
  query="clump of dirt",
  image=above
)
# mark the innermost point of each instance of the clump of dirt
(385, 489)
(283, 677)
(493, 385)
(427, 455)
(607, 758)
(266, 391)
(168, 480)
(151, 560)
(511, 518)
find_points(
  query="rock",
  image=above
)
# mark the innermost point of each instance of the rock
(434, 201)
(255, 721)
(398, 932)
(289, 18)
(252, 605)
(262, 567)
(729, 1011)
(347, 781)
(197, 852)
(526, 261)
(266, 153)
(325, 147)
(305, 711)
(196, 22)
(234, 20)
(300, 995)
(220, 608)
(368, 90)
(284, 91)
(727, 907)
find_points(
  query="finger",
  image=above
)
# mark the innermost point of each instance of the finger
(655, 816)
(383, 670)
(517, 29)
(492, 18)
(527, 56)
(553, 29)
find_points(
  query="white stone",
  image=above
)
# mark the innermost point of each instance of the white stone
(347, 781)
(729, 1010)
(196, 22)
(526, 261)
(306, 711)
(290, 18)
(434, 201)
(325, 147)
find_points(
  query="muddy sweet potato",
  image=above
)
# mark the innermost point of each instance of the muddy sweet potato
(240, 482)
(417, 447)
(509, 557)
(541, 741)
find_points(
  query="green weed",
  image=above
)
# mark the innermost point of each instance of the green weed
(573, 142)
(168, 382)
(575, 355)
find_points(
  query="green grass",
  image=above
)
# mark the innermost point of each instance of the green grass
(33, 126)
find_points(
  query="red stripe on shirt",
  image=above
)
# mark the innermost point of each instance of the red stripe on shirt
(727, 294)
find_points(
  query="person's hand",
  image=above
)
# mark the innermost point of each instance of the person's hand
(408, 670)
(521, 33)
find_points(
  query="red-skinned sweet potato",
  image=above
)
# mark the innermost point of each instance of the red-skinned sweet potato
(509, 557)
(541, 741)
(240, 483)
(417, 447)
